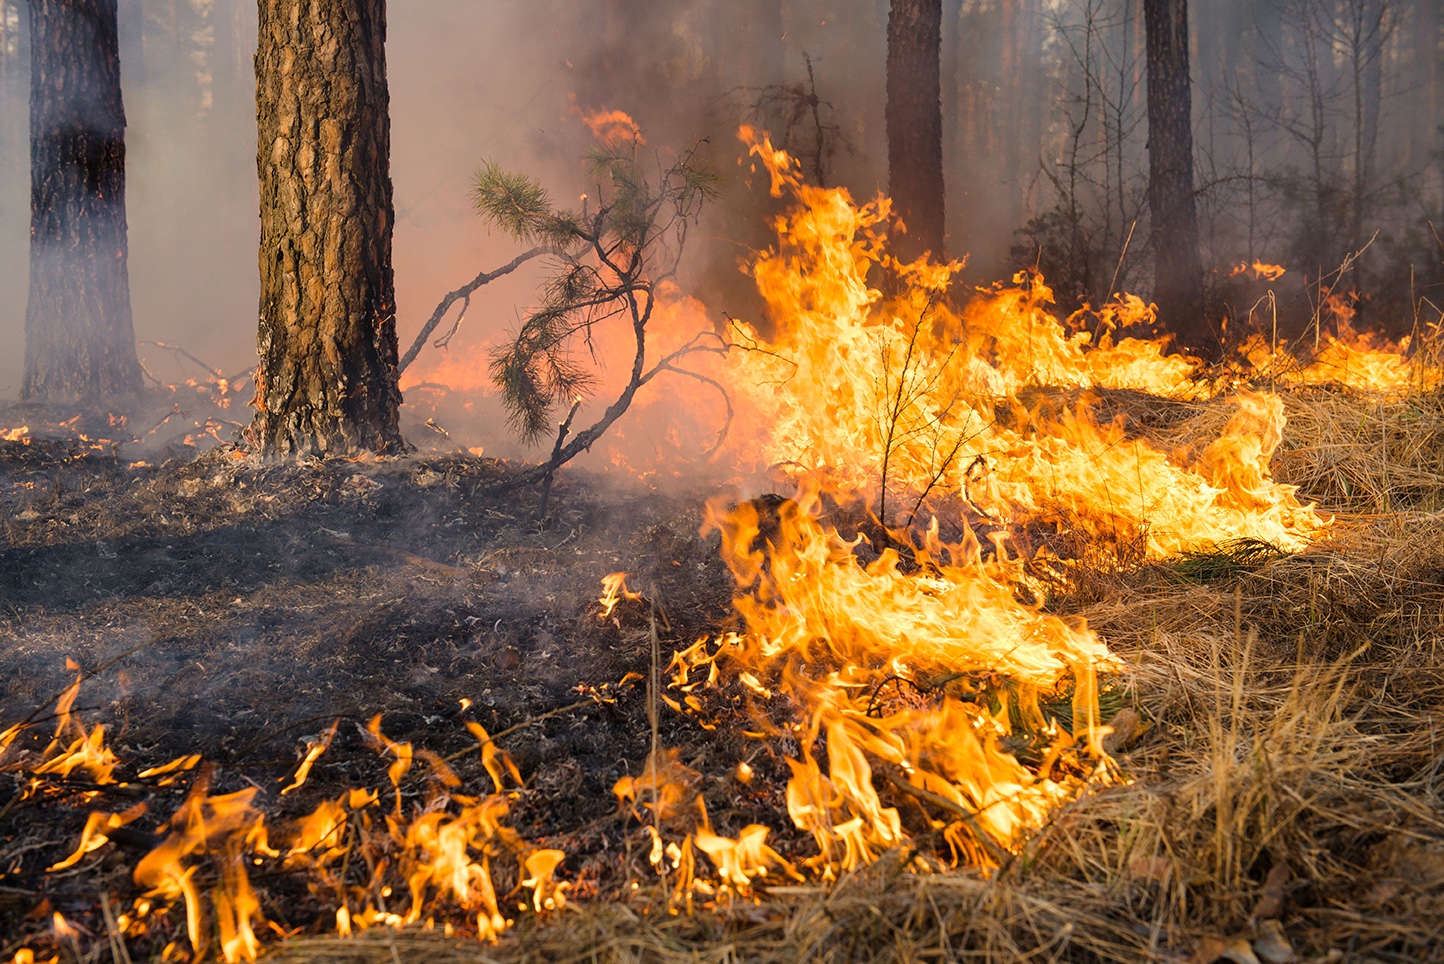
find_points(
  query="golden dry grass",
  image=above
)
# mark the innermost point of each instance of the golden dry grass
(1283, 795)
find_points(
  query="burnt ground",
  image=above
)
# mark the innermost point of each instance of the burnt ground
(226, 607)
(236, 609)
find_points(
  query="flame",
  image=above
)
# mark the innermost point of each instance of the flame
(440, 854)
(1362, 363)
(27, 956)
(1259, 269)
(613, 127)
(666, 786)
(888, 661)
(922, 401)
(314, 749)
(829, 632)
(95, 834)
(225, 827)
(909, 402)
(62, 928)
(86, 751)
(614, 590)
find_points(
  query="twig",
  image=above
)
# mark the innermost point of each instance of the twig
(118, 949)
(181, 351)
(1121, 255)
(584, 439)
(463, 293)
(562, 431)
(726, 401)
(530, 721)
(998, 854)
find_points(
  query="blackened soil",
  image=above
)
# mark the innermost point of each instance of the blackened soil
(230, 608)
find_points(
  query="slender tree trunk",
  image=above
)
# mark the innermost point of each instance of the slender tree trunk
(13, 56)
(79, 338)
(327, 382)
(915, 124)
(763, 51)
(949, 70)
(1178, 278)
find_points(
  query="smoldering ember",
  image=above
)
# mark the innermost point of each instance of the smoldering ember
(719, 480)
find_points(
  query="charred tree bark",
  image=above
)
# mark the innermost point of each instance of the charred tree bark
(915, 124)
(1178, 273)
(79, 337)
(327, 382)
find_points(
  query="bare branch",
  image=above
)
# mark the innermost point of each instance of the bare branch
(463, 293)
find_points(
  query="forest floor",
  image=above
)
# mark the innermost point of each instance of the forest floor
(1282, 798)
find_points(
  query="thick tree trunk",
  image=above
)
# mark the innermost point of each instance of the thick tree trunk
(79, 338)
(915, 124)
(1178, 277)
(327, 382)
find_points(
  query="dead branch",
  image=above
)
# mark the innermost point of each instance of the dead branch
(968, 817)
(562, 432)
(462, 294)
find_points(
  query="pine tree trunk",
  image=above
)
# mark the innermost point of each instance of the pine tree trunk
(915, 124)
(327, 382)
(1178, 277)
(79, 338)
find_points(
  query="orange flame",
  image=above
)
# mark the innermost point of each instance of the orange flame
(1259, 269)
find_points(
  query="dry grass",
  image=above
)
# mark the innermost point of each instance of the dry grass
(1284, 792)
(1284, 786)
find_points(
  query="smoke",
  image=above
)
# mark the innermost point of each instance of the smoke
(509, 80)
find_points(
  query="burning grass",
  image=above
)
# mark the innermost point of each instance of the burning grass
(1282, 765)
(1159, 680)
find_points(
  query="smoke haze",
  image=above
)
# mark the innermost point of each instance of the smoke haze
(1043, 108)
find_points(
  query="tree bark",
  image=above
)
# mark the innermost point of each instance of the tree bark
(1178, 273)
(79, 337)
(327, 382)
(915, 124)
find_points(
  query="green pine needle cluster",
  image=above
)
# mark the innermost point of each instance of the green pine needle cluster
(609, 255)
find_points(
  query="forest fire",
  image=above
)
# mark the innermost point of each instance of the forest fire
(928, 671)
(770, 580)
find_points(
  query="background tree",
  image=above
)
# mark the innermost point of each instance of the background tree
(915, 124)
(79, 338)
(1178, 272)
(327, 382)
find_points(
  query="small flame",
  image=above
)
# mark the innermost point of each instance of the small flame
(314, 749)
(1259, 269)
(613, 127)
(614, 590)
